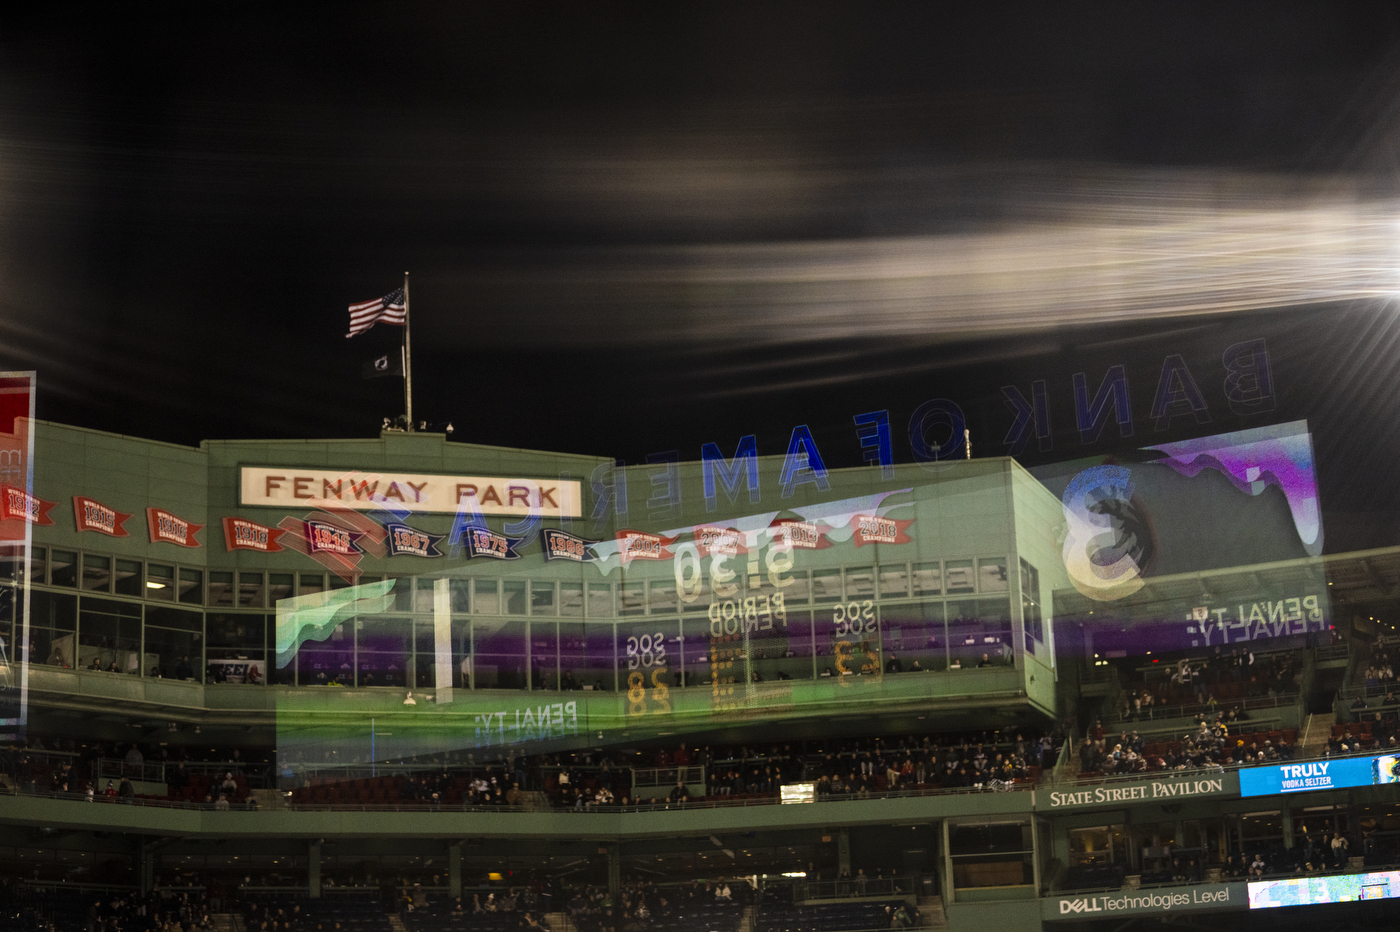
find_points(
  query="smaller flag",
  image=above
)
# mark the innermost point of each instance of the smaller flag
(383, 366)
(392, 309)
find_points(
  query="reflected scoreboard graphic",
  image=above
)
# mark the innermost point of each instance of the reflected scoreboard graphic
(1316, 891)
(20, 511)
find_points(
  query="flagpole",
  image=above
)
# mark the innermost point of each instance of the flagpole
(407, 358)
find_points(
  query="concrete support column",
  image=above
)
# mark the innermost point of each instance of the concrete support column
(145, 866)
(615, 874)
(1287, 827)
(313, 869)
(454, 869)
(843, 850)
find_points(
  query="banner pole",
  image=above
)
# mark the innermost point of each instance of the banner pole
(407, 358)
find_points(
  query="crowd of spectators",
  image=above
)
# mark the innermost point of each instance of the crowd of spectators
(1210, 681)
(1212, 745)
(596, 779)
(640, 906)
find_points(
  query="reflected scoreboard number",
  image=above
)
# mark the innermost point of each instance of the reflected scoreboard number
(852, 637)
(648, 650)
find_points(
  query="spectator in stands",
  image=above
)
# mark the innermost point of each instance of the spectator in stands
(1339, 850)
(1257, 866)
(126, 792)
(894, 664)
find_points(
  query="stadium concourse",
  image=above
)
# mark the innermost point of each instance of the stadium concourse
(401, 683)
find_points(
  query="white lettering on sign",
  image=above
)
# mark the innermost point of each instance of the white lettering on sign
(295, 487)
(1152, 790)
(1163, 901)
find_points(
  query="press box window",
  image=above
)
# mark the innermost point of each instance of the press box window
(127, 579)
(160, 582)
(192, 586)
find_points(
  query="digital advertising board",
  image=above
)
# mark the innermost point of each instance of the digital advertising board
(1334, 774)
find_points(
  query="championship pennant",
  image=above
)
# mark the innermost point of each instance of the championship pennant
(92, 515)
(712, 539)
(483, 543)
(639, 545)
(800, 535)
(324, 537)
(242, 534)
(561, 545)
(873, 529)
(168, 528)
(17, 503)
(405, 541)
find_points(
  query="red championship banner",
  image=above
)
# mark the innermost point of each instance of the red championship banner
(873, 529)
(92, 515)
(19, 504)
(639, 545)
(800, 535)
(711, 538)
(242, 534)
(328, 542)
(168, 528)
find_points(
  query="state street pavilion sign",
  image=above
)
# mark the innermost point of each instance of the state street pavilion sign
(1181, 785)
(295, 486)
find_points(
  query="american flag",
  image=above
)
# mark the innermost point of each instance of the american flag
(389, 309)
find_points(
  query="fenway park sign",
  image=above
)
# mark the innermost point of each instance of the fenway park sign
(294, 487)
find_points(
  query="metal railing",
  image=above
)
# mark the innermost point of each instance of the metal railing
(723, 802)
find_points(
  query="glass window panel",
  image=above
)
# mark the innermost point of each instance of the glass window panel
(423, 596)
(960, 578)
(160, 582)
(337, 582)
(110, 633)
(226, 629)
(826, 585)
(928, 578)
(279, 586)
(1030, 605)
(177, 618)
(220, 588)
(330, 662)
(462, 652)
(501, 653)
(461, 595)
(53, 619)
(38, 564)
(65, 568)
(991, 575)
(127, 578)
(848, 638)
(487, 598)
(586, 656)
(178, 653)
(250, 590)
(600, 601)
(311, 583)
(403, 593)
(542, 599)
(424, 655)
(634, 597)
(860, 582)
(544, 654)
(979, 632)
(191, 586)
(97, 573)
(894, 580)
(649, 653)
(661, 596)
(571, 600)
(914, 636)
(799, 588)
(513, 593)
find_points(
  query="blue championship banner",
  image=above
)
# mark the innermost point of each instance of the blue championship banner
(561, 545)
(483, 543)
(405, 541)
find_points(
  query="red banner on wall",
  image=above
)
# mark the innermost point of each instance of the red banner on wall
(92, 515)
(168, 528)
(242, 534)
(639, 545)
(17, 503)
(873, 529)
(713, 539)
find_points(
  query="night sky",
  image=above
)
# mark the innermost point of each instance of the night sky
(637, 229)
